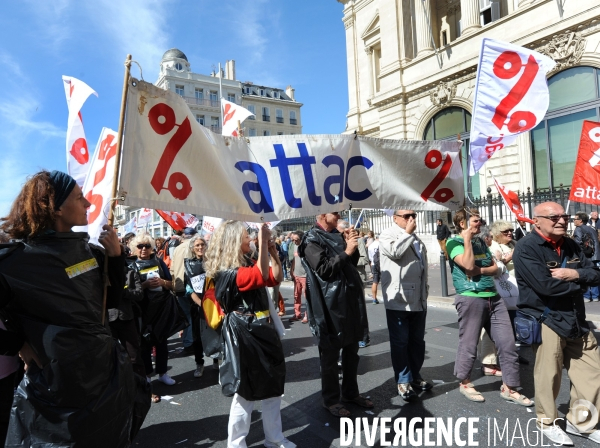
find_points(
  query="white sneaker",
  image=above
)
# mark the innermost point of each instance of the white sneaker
(166, 379)
(556, 435)
(594, 436)
(285, 443)
(199, 370)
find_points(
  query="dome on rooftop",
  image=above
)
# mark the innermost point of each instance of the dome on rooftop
(174, 53)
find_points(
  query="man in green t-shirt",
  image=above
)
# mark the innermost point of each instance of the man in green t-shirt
(479, 306)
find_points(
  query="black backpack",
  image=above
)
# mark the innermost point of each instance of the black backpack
(587, 244)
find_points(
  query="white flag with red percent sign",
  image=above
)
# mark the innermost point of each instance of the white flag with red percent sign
(511, 97)
(511, 199)
(78, 156)
(178, 221)
(98, 185)
(232, 113)
(145, 217)
(131, 225)
(170, 162)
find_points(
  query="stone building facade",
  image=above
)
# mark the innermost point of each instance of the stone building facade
(412, 67)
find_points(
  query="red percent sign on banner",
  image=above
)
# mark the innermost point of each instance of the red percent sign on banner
(162, 120)
(433, 160)
(108, 150)
(507, 66)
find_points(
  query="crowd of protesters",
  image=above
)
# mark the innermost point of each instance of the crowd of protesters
(84, 328)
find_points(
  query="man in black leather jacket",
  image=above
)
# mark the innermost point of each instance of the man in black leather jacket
(336, 308)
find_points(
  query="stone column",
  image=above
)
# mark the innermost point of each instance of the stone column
(469, 12)
(370, 72)
(423, 30)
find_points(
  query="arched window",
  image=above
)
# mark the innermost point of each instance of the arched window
(446, 125)
(574, 97)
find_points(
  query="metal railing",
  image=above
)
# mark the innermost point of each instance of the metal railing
(266, 118)
(207, 102)
(279, 119)
(293, 121)
(491, 207)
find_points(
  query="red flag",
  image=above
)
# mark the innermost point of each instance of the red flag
(178, 221)
(586, 177)
(512, 202)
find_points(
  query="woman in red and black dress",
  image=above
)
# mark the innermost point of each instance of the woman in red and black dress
(253, 366)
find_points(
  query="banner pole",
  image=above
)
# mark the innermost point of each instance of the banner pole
(567, 209)
(111, 210)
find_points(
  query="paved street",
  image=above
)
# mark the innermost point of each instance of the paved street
(197, 415)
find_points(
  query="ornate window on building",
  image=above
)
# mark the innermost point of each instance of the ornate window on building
(446, 125)
(574, 97)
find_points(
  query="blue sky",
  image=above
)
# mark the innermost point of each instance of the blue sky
(274, 43)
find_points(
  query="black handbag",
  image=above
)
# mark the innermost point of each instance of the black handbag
(529, 329)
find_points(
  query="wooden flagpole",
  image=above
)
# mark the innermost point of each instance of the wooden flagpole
(111, 214)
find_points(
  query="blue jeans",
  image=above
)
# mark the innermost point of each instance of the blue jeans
(592, 292)
(186, 305)
(407, 343)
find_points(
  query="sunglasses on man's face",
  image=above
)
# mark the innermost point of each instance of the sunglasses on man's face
(555, 264)
(407, 216)
(556, 218)
(506, 232)
(144, 246)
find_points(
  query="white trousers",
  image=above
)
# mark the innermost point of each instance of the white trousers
(240, 419)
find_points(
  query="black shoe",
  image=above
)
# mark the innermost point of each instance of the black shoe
(523, 361)
(406, 392)
(421, 384)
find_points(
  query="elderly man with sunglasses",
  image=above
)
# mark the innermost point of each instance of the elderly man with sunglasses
(552, 272)
(404, 286)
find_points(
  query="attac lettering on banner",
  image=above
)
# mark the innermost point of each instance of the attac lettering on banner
(585, 186)
(170, 162)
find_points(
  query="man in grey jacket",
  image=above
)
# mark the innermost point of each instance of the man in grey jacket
(404, 286)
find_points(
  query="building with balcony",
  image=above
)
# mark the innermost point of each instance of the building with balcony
(412, 68)
(276, 111)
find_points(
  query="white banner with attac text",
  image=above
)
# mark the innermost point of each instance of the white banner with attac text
(170, 162)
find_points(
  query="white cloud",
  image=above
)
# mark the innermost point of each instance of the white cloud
(249, 29)
(137, 27)
(21, 133)
(52, 22)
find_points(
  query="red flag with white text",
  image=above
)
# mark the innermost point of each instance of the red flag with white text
(586, 178)
(511, 199)
(78, 156)
(178, 221)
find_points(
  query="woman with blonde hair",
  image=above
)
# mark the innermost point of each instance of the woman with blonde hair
(254, 368)
(156, 280)
(503, 245)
